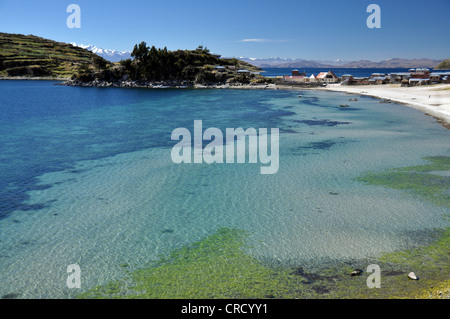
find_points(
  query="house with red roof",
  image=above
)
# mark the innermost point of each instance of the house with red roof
(328, 77)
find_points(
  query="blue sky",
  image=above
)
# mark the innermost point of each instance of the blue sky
(312, 30)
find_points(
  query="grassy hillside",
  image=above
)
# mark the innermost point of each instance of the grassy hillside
(29, 55)
(444, 65)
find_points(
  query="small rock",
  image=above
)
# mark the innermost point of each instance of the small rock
(356, 272)
(412, 276)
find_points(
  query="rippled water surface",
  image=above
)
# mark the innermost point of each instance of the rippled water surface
(86, 178)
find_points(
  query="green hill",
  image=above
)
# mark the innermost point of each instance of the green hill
(444, 65)
(29, 55)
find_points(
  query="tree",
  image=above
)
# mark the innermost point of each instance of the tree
(140, 51)
(84, 73)
(99, 62)
(202, 49)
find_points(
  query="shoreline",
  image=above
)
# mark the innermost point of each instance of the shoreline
(433, 100)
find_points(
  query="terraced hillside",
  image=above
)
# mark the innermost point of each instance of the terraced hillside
(29, 55)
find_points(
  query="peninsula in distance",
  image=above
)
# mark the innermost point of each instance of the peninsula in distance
(31, 56)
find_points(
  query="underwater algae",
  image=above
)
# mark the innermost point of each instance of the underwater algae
(214, 267)
(218, 266)
(431, 181)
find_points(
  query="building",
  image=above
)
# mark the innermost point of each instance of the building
(443, 77)
(360, 80)
(435, 78)
(294, 78)
(419, 73)
(377, 75)
(312, 78)
(347, 79)
(328, 77)
(417, 76)
(296, 72)
(378, 79)
(397, 78)
(418, 81)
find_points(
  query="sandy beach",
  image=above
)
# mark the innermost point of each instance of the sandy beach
(431, 99)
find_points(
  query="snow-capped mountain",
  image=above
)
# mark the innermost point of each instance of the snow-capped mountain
(339, 63)
(277, 62)
(110, 55)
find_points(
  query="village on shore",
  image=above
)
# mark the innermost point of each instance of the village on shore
(417, 76)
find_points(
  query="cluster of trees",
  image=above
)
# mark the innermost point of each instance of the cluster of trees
(154, 64)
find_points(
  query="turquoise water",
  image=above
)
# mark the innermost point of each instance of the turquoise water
(86, 178)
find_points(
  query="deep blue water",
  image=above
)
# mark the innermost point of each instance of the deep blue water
(46, 127)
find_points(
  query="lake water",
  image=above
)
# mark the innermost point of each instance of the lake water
(86, 178)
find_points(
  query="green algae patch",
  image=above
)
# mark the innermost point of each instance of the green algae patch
(218, 266)
(431, 181)
(215, 267)
(430, 263)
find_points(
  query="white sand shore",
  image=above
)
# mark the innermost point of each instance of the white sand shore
(431, 99)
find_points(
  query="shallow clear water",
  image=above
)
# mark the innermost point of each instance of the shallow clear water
(86, 178)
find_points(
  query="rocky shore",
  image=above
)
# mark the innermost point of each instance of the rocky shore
(167, 85)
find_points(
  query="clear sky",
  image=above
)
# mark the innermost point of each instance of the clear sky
(307, 29)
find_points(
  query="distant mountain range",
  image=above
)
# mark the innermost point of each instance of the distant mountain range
(110, 55)
(115, 56)
(300, 63)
